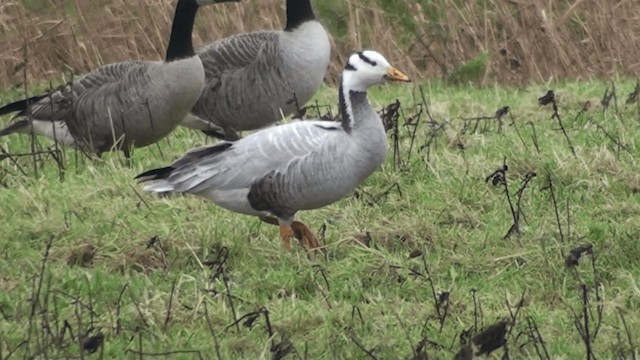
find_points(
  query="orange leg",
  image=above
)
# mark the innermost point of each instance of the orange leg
(307, 238)
(297, 229)
(286, 233)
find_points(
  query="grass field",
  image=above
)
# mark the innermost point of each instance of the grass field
(415, 265)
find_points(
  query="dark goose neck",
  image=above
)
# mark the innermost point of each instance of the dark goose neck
(180, 45)
(298, 12)
(350, 102)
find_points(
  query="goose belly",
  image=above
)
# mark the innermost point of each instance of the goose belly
(168, 102)
(314, 197)
(231, 199)
(54, 130)
(321, 195)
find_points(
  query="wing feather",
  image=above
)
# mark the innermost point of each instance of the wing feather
(59, 104)
(281, 149)
(232, 67)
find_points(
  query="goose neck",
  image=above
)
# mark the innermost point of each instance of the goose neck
(180, 42)
(351, 105)
(298, 12)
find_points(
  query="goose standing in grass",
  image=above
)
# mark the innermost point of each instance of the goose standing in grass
(303, 165)
(121, 105)
(253, 79)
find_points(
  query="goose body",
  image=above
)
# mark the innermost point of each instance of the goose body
(121, 105)
(302, 165)
(253, 79)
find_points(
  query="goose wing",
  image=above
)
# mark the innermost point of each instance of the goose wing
(234, 52)
(234, 60)
(291, 150)
(59, 104)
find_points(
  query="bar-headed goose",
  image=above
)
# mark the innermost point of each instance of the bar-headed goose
(301, 165)
(121, 105)
(253, 79)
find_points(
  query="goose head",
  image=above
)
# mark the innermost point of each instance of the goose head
(367, 68)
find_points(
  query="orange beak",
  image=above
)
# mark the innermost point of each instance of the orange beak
(394, 74)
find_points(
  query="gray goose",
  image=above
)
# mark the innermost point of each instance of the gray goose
(302, 165)
(121, 105)
(253, 79)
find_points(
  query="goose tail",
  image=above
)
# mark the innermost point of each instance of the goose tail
(20, 105)
(19, 126)
(156, 180)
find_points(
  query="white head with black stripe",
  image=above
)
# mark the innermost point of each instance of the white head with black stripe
(367, 68)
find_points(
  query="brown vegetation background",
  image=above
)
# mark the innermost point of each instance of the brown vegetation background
(482, 41)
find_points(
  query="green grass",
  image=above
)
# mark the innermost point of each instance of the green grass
(103, 273)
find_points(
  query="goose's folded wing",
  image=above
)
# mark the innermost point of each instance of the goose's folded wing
(233, 68)
(117, 96)
(238, 165)
(234, 53)
(59, 103)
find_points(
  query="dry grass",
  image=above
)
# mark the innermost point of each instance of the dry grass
(513, 42)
